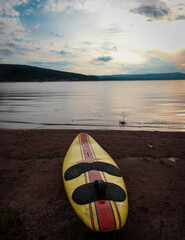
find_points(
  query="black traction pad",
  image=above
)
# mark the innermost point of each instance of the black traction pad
(98, 190)
(78, 169)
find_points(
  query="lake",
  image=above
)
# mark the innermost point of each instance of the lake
(141, 105)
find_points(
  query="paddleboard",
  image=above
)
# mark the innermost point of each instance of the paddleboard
(94, 185)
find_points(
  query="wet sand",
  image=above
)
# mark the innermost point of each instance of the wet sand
(152, 164)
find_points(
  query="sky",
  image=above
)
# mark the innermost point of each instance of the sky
(94, 37)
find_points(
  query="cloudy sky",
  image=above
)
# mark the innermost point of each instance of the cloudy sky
(94, 36)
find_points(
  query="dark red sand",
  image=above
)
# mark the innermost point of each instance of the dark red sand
(152, 164)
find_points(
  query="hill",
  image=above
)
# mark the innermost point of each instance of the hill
(24, 73)
(133, 77)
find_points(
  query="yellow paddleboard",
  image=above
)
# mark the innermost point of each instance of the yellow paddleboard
(94, 185)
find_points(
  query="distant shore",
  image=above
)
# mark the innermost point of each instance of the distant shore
(26, 73)
(152, 164)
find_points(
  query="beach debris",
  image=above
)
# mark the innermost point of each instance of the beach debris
(150, 146)
(173, 159)
(122, 122)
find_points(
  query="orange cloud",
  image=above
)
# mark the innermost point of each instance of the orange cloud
(176, 58)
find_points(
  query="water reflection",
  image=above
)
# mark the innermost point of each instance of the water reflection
(143, 105)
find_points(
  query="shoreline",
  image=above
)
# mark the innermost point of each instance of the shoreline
(118, 143)
(100, 80)
(152, 165)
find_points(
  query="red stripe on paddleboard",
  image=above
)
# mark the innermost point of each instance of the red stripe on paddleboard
(92, 150)
(81, 150)
(85, 146)
(109, 200)
(90, 206)
(105, 215)
(117, 210)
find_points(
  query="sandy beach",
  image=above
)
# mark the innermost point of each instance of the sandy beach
(152, 165)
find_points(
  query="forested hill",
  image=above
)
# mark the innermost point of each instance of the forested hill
(24, 73)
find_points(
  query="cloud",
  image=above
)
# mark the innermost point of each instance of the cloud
(64, 5)
(86, 43)
(11, 24)
(15, 38)
(178, 59)
(158, 11)
(180, 17)
(104, 59)
(7, 8)
(114, 49)
(19, 49)
(6, 52)
(10, 44)
(101, 60)
(113, 31)
(152, 65)
(37, 26)
(68, 6)
(152, 11)
(11, 28)
(159, 61)
(1, 28)
(57, 65)
(56, 35)
(62, 52)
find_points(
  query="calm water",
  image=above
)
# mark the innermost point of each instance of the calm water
(143, 105)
